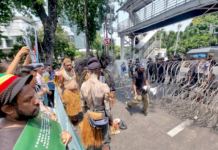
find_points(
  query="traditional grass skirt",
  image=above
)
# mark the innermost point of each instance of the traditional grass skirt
(73, 102)
(91, 137)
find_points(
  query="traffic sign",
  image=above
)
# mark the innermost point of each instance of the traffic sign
(107, 41)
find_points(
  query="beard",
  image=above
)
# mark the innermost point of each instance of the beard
(24, 115)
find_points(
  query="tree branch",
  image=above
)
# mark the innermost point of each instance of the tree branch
(40, 11)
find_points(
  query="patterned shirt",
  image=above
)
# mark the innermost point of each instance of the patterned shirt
(41, 81)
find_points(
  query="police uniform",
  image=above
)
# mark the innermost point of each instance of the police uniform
(160, 71)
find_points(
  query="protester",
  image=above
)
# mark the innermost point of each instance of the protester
(57, 68)
(4, 66)
(79, 69)
(9, 67)
(50, 85)
(68, 90)
(41, 82)
(139, 83)
(95, 103)
(23, 71)
(123, 69)
(17, 105)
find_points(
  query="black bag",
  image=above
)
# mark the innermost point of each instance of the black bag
(99, 123)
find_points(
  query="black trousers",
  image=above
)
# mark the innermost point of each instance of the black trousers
(51, 99)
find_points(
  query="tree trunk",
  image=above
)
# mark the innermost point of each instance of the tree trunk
(49, 23)
(86, 28)
(49, 41)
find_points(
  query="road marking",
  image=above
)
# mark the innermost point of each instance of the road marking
(179, 128)
(124, 87)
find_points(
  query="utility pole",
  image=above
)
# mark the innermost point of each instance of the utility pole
(111, 30)
(179, 26)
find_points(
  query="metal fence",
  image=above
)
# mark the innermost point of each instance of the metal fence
(155, 8)
(75, 144)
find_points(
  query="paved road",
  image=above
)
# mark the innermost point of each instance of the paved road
(150, 132)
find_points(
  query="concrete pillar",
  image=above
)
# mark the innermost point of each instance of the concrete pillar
(133, 47)
(122, 48)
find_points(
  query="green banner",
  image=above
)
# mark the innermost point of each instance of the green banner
(41, 133)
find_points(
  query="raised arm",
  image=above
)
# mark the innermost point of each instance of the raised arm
(27, 60)
(24, 50)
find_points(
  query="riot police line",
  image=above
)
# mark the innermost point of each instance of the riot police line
(186, 88)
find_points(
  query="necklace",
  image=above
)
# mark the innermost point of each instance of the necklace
(70, 76)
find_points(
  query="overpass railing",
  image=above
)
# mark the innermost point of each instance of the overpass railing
(155, 8)
(153, 46)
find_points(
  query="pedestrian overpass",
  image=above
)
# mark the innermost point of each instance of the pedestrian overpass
(147, 15)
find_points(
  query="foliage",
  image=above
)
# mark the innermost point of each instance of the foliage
(16, 48)
(6, 15)
(2, 56)
(49, 19)
(196, 35)
(62, 42)
(97, 9)
(116, 49)
(70, 53)
(74, 10)
(97, 43)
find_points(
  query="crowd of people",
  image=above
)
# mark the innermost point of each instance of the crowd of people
(84, 86)
(22, 97)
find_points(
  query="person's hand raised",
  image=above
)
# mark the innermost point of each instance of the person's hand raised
(23, 51)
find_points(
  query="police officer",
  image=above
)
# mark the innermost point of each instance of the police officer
(149, 60)
(212, 61)
(195, 57)
(136, 64)
(174, 67)
(150, 68)
(160, 70)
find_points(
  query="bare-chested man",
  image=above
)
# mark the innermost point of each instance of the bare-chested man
(68, 89)
(94, 97)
